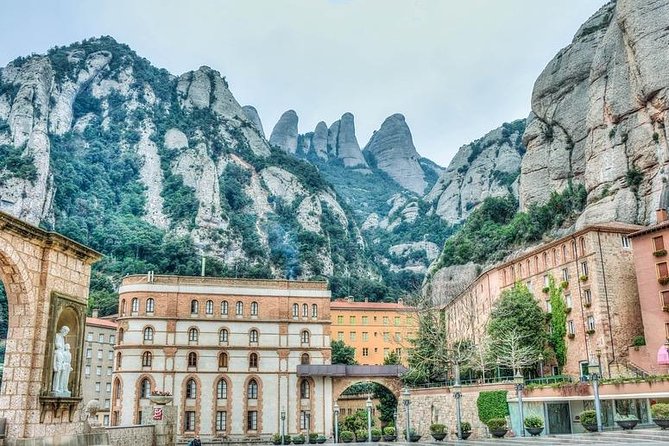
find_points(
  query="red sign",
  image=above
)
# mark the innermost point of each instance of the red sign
(158, 413)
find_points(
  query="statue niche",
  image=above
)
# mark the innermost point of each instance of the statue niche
(65, 344)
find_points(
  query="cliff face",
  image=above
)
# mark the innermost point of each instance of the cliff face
(599, 115)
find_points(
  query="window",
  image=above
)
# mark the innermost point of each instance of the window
(658, 243)
(239, 308)
(340, 335)
(564, 253)
(192, 359)
(666, 330)
(571, 330)
(209, 307)
(352, 336)
(89, 353)
(108, 388)
(89, 337)
(147, 359)
(565, 274)
(386, 336)
(118, 360)
(567, 300)
(625, 241)
(365, 336)
(110, 355)
(587, 298)
(100, 354)
(386, 352)
(304, 359)
(109, 371)
(253, 335)
(252, 420)
(549, 307)
(340, 320)
(150, 304)
(224, 308)
(189, 421)
(97, 387)
(123, 307)
(296, 310)
(98, 371)
(365, 351)
(191, 389)
(386, 321)
(134, 305)
(665, 299)
(314, 310)
(305, 389)
(365, 320)
(87, 371)
(112, 339)
(305, 310)
(584, 268)
(546, 281)
(252, 389)
(223, 335)
(398, 336)
(253, 361)
(397, 321)
(194, 307)
(351, 320)
(101, 338)
(193, 335)
(254, 308)
(554, 256)
(145, 388)
(148, 334)
(105, 418)
(222, 360)
(304, 337)
(305, 418)
(590, 323)
(221, 420)
(222, 389)
(398, 350)
(662, 270)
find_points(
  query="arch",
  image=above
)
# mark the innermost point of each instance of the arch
(253, 360)
(150, 305)
(194, 306)
(134, 305)
(192, 359)
(116, 397)
(209, 307)
(296, 310)
(254, 308)
(193, 335)
(253, 405)
(389, 384)
(222, 360)
(305, 337)
(239, 308)
(305, 310)
(147, 359)
(192, 404)
(304, 359)
(221, 388)
(223, 336)
(254, 336)
(306, 404)
(148, 334)
(224, 308)
(143, 383)
(314, 310)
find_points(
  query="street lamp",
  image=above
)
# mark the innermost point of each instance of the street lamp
(368, 403)
(594, 378)
(336, 413)
(519, 381)
(598, 352)
(541, 365)
(406, 395)
(283, 426)
(457, 393)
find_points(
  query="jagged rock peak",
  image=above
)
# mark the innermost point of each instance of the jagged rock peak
(206, 88)
(394, 152)
(252, 115)
(284, 134)
(348, 149)
(319, 140)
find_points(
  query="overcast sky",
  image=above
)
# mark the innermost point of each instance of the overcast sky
(456, 69)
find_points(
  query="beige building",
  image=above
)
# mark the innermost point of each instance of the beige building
(596, 268)
(98, 364)
(227, 350)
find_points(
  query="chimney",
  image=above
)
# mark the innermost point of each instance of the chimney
(400, 301)
(366, 299)
(661, 215)
(94, 312)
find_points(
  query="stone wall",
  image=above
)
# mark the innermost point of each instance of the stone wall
(131, 435)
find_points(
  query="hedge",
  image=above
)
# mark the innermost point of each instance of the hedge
(492, 405)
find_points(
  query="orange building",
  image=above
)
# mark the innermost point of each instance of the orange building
(374, 329)
(651, 260)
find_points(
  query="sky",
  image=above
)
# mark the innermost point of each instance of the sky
(455, 69)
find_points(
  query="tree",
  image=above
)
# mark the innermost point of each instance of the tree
(342, 353)
(515, 352)
(517, 316)
(558, 323)
(392, 359)
(481, 358)
(429, 354)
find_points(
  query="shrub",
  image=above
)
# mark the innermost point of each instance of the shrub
(492, 405)
(361, 435)
(276, 438)
(465, 426)
(496, 423)
(438, 428)
(564, 284)
(588, 418)
(628, 417)
(389, 430)
(346, 436)
(322, 438)
(313, 437)
(660, 253)
(298, 439)
(376, 432)
(639, 341)
(583, 278)
(534, 421)
(660, 411)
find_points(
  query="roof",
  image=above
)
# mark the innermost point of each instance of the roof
(649, 229)
(374, 306)
(98, 322)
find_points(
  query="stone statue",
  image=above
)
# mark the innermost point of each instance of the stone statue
(92, 408)
(67, 368)
(60, 355)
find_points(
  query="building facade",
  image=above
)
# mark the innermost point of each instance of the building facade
(374, 329)
(98, 364)
(227, 350)
(595, 267)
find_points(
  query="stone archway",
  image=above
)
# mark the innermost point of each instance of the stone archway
(392, 383)
(46, 278)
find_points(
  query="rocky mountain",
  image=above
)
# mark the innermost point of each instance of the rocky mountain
(156, 170)
(599, 115)
(284, 134)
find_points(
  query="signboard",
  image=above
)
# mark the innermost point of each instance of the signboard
(158, 413)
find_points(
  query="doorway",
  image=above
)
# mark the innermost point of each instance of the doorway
(559, 419)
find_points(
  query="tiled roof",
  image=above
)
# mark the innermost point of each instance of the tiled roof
(345, 305)
(653, 228)
(97, 322)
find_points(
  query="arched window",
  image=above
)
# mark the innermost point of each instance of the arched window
(304, 337)
(574, 251)
(223, 335)
(529, 272)
(123, 307)
(254, 308)
(118, 360)
(147, 359)
(145, 388)
(150, 304)
(305, 310)
(545, 259)
(564, 253)
(148, 334)
(117, 388)
(314, 310)
(193, 334)
(134, 305)
(209, 307)
(555, 257)
(239, 308)
(304, 360)
(252, 390)
(194, 306)
(582, 246)
(296, 310)
(191, 389)
(222, 360)
(192, 359)
(120, 335)
(305, 390)
(224, 308)
(253, 360)
(253, 335)
(221, 389)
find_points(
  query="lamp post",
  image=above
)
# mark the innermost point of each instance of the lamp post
(283, 426)
(406, 395)
(598, 352)
(308, 420)
(541, 365)
(519, 381)
(336, 413)
(594, 378)
(457, 394)
(368, 403)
